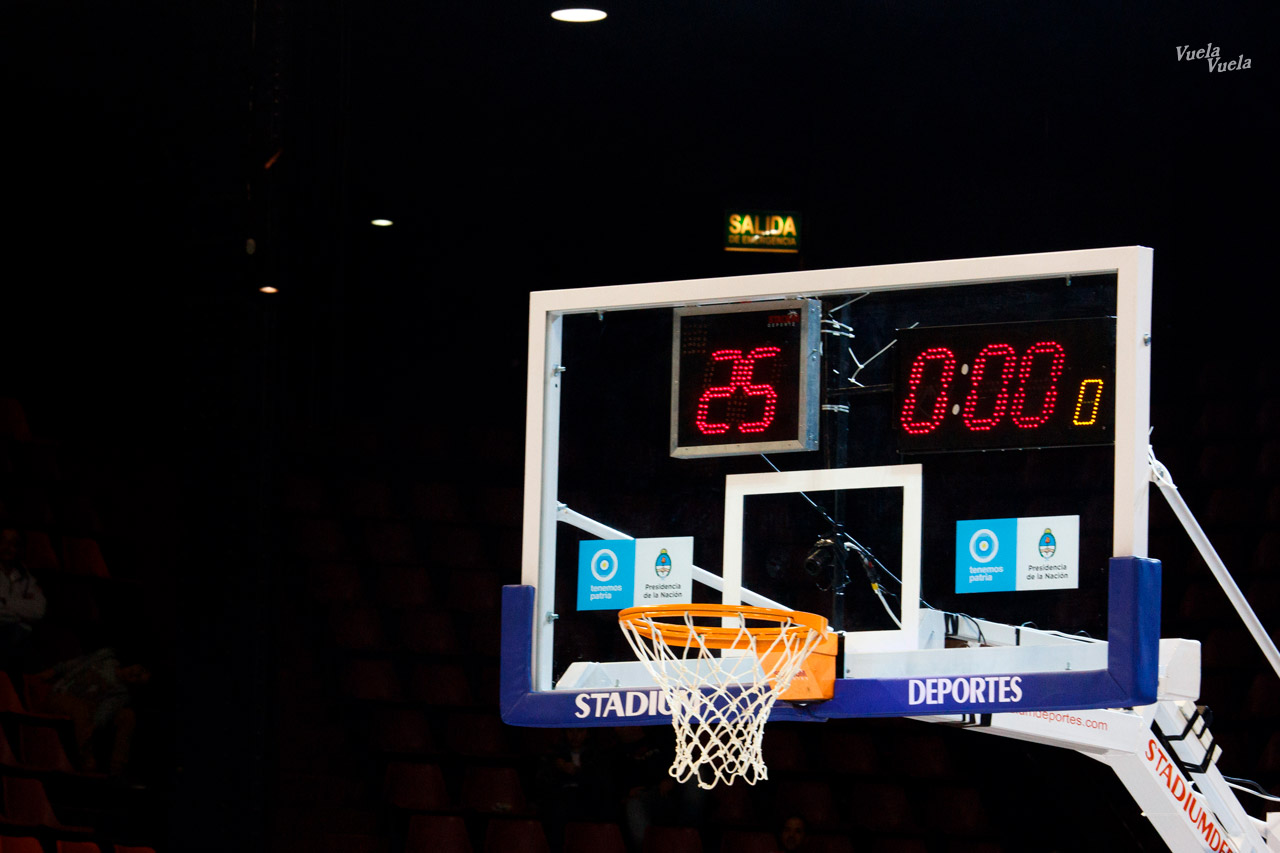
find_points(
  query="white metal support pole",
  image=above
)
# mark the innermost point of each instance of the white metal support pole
(701, 575)
(1160, 476)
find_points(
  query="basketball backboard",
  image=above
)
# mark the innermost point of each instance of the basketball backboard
(922, 453)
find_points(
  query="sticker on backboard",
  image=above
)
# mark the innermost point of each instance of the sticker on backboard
(1018, 554)
(618, 573)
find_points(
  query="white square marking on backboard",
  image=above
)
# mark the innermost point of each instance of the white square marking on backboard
(906, 477)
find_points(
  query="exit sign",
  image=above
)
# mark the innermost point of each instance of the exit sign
(762, 231)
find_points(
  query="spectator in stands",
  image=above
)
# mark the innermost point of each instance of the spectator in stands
(573, 784)
(94, 691)
(649, 794)
(22, 601)
(793, 835)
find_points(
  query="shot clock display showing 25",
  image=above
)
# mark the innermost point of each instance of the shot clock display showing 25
(744, 378)
(1006, 385)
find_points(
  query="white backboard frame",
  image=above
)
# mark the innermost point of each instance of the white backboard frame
(1133, 269)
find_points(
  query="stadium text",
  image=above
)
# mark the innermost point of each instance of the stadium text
(632, 703)
(1183, 793)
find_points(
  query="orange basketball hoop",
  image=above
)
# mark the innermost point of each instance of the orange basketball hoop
(720, 702)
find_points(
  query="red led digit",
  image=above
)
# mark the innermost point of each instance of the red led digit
(739, 378)
(742, 378)
(717, 392)
(1009, 365)
(1046, 379)
(916, 377)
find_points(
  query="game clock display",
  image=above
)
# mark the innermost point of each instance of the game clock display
(1008, 385)
(744, 378)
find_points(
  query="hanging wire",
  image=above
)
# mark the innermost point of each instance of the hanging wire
(862, 550)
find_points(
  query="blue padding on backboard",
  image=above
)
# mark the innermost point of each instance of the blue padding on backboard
(1133, 653)
(521, 706)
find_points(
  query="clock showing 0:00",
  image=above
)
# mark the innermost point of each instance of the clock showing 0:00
(1009, 385)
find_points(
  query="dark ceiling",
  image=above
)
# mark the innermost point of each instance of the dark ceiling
(515, 153)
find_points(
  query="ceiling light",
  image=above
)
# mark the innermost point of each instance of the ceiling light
(266, 288)
(381, 223)
(579, 16)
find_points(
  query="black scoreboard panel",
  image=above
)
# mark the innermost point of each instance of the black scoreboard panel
(1006, 385)
(744, 378)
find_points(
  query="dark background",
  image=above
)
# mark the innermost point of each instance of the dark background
(514, 154)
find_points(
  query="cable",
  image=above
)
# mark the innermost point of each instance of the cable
(1249, 786)
(981, 637)
(887, 608)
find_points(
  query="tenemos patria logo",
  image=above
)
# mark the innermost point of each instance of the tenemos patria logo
(1212, 54)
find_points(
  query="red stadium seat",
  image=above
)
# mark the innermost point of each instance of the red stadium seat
(82, 556)
(515, 836)
(13, 420)
(7, 756)
(748, 842)
(476, 735)
(493, 790)
(41, 555)
(63, 846)
(437, 834)
(26, 804)
(401, 730)
(22, 844)
(42, 749)
(428, 631)
(672, 839)
(372, 680)
(419, 787)
(594, 838)
(440, 684)
(399, 587)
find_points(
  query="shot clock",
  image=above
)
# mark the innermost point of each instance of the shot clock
(1006, 385)
(744, 378)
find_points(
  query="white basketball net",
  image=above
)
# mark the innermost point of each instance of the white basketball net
(720, 698)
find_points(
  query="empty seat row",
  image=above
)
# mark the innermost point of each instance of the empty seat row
(389, 543)
(63, 507)
(378, 499)
(451, 834)
(73, 555)
(428, 631)
(409, 731)
(27, 804)
(401, 587)
(484, 790)
(29, 844)
(873, 806)
(25, 699)
(431, 683)
(40, 750)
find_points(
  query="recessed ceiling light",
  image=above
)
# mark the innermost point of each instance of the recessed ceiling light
(579, 16)
(381, 223)
(266, 288)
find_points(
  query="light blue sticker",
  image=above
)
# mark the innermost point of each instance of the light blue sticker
(986, 555)
(606, 574)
